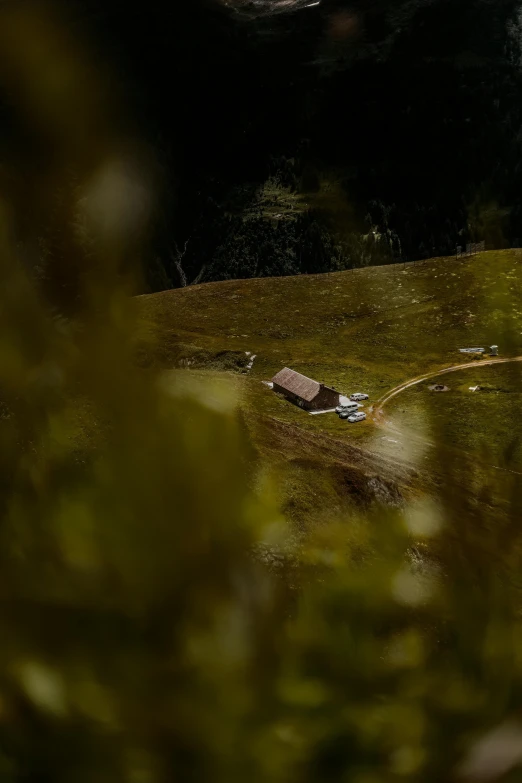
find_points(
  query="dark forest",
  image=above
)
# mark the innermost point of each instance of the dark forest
(334, 137)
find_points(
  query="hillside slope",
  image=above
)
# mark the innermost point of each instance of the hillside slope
(373, 326)
(364, 330)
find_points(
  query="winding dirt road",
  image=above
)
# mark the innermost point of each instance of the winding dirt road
(377, 410)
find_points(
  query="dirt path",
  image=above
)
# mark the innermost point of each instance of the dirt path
(377, 410)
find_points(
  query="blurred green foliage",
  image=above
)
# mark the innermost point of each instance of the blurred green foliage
(142, 639)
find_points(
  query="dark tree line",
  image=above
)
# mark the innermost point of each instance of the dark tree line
(408, 112)
(416, 118)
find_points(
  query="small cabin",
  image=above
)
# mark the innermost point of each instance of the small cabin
(305, 392)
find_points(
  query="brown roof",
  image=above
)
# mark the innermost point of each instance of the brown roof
(298, 384)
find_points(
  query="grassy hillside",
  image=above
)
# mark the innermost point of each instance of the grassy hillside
(372, 326)
(485, 421)
(366, 330)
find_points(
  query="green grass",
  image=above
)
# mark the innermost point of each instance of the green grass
(363, 330)
(365, 326)
(483, 423)
(318, 473)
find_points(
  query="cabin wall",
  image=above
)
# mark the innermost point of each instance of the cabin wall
(293, 397)
(327, 398)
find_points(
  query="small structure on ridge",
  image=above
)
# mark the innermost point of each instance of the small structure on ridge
(305, 392)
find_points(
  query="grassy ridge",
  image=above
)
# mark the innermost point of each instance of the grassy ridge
(374, 326)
